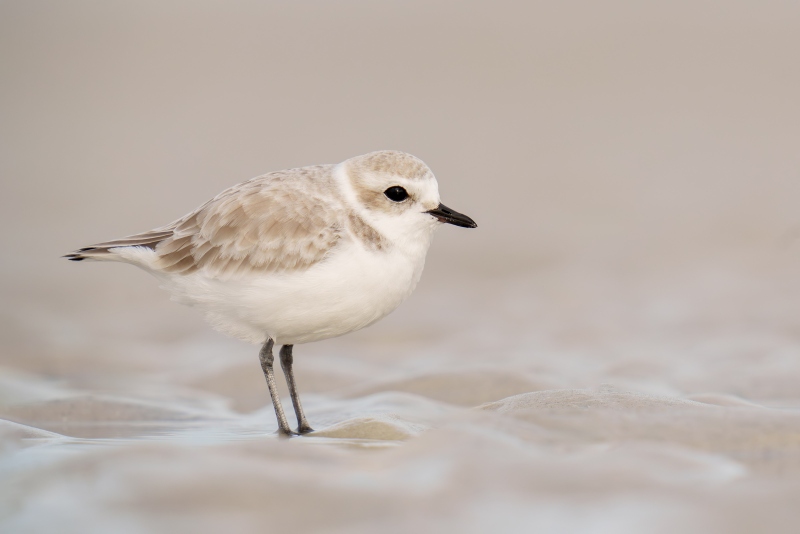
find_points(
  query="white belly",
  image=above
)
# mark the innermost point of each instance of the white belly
(350, 290)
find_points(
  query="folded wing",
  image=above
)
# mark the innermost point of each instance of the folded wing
(279, 222)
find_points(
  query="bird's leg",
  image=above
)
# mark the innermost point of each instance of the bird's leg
(286, 363)
(265, 355)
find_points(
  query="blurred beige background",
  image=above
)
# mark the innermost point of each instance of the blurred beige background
(634, 169)
(609, 138)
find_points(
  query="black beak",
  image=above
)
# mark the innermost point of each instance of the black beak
(446, 215)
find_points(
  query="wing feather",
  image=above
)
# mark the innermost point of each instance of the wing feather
(280, 222)
(268, 224)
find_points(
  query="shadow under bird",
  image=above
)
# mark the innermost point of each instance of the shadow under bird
(297, 256)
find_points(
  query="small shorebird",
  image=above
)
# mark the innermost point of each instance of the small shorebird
(297, 256)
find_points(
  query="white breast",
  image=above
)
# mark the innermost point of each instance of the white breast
(349, 290)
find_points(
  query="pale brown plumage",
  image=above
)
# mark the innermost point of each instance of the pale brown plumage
(364, 169)
(281, 221)
(271, 223)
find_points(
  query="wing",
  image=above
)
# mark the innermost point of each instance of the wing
(284, 221)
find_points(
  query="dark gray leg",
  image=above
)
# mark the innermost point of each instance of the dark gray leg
(286, 362)
(265, 355)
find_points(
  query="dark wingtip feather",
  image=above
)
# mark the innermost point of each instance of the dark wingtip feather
(103, 250)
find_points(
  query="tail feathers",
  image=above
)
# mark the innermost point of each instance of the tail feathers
(88, 253)
(103, 251)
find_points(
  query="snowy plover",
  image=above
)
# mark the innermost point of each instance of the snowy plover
(299, 255)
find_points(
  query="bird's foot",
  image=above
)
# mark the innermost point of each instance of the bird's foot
(304, 429)
(286, 433)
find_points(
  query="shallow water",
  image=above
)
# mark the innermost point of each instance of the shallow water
(616, 348)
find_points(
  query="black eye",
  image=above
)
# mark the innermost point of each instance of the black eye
(396, 194)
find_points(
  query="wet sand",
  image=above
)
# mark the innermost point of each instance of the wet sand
(569, 428)
(615, 349)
